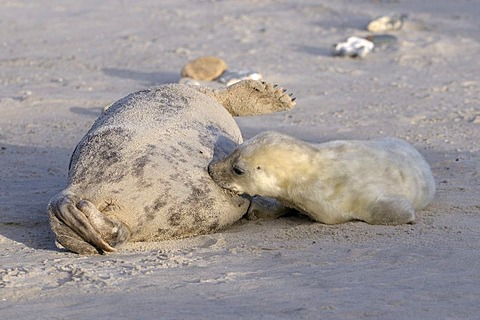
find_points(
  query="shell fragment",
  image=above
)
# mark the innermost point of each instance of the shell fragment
(353, 47)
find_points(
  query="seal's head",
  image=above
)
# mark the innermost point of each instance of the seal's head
(265, 165)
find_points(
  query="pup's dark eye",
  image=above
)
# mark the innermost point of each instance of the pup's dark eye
(237, 170)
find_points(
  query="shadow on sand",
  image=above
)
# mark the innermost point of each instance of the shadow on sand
(145, 78)
(35, 174)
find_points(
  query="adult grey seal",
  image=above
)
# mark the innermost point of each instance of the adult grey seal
(140, 173)
(379, 181)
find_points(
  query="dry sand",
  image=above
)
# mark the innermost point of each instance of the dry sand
(60, 64)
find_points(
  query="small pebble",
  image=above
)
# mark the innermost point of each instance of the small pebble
(230, 77)
(386, 23)
(353, 47)
(105, 108)
(204, 68)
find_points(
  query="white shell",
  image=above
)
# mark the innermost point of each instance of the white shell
(189, 81)
(353, 47)
(230, 77)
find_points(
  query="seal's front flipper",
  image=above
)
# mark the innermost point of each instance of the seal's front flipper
(265, 209)
(251, 97)
(81, 228)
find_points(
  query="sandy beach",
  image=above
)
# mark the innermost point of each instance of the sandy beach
(61, 63)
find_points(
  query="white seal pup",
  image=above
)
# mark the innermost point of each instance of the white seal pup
(140, 173)
(379, 181)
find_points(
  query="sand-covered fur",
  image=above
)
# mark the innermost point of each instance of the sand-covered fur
(380, 181)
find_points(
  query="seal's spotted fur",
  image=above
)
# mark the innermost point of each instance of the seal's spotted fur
(140, 173)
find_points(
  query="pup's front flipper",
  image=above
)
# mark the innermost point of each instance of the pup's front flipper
(265, 209)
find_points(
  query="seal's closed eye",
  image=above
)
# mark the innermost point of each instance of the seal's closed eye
(238, 170)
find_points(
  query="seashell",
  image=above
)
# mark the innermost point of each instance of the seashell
(230, 77)
(190, 81)
(353, 47)
(386, 23)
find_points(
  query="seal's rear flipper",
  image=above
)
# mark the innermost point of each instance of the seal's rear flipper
(81, 228)
(392, 210)
(66, 238)
(251, 97)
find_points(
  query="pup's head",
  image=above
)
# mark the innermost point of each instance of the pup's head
(259, 166)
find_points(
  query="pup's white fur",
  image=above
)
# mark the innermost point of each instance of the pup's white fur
(379, 181)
